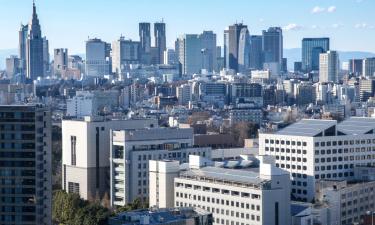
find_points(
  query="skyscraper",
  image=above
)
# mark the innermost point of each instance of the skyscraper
(34, 48)
(329, 67)
(189, 53)
(25, 162)
(46, 61)
(244, 50)
(273, 45)
(124, 53)
(231, 45)
(60, 62)
(160, 39)
(256, 43)
(355, 66)
(97, 57)
(208, 50)
(196, 52)
(368, 67)
(311, 49)
(22, 35)
(145, 40)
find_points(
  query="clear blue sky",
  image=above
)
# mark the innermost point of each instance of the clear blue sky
(67, 23)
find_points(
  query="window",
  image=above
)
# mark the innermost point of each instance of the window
(73, 147)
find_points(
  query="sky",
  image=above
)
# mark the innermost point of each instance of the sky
(68, 23)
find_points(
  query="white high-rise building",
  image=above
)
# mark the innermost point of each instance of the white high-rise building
(329, 67)
(244, 195)
(86, 151)
(320, 149)
(97, 58)
(131, 151)
(86, 103)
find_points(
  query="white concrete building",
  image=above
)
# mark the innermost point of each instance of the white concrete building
(131, 151)
(347, 201)
(91, 103)
(329, 67)
(320, 149)
(236, 196)
(86, 152)
(162, 173)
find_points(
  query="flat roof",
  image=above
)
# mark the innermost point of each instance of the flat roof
(307, 127)
(357, 125)
(231, 175)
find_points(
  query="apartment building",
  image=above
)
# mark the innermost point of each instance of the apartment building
(86, 151)
(320, 149)
(25, 165)
(131, 151)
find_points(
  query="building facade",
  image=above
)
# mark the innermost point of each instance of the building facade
(25, 165)
(130, 155)
(86, 151)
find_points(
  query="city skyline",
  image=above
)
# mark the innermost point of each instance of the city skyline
(339, 20)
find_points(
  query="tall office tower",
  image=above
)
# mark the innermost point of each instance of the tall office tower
(189, 53)
(256, 56)
(329, 67)
(368, 67)
(219, 60)
(124, 53)
(170, 57)
(231, 45)
(311, 49)
(297, 67)
(284, 65)
(22, 46)
(160, 40)
(355, 66)
(131, 151)
(13, 65)
(60, 62)
(46, 57)
(244, 50)
(196, 52)
(97, 58)
(25, 162)
(208, 50)
(85, 153)
(273, 47)
(320, 149)
(145, 42)
(366, 88)
(34, 49)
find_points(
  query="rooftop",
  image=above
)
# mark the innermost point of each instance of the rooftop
(357, 125)
(237, 177)
(158, 216)
(315, 128)
(307, 127)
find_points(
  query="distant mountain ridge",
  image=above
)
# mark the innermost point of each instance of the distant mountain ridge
(293, 55)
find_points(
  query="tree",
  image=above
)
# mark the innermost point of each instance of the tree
(136, 204)
(70, 209)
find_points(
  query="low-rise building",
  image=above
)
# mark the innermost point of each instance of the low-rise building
(168, 216)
